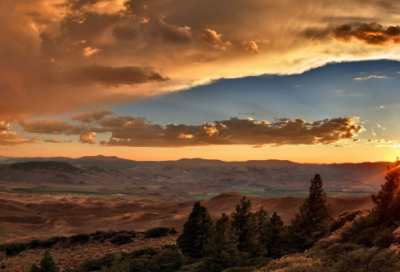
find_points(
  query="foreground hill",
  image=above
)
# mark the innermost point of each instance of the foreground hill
(266, 175)
(24, 216)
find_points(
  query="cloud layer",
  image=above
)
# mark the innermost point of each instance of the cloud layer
(139, 132)
(64, 55)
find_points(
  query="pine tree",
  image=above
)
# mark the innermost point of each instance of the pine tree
(196, 232)
(270, 230)
(34, 268)
(222, 249)
(313, 218)
(275, 242)
(264, 230)
(47, 264)
(246, 226)
(387, 201)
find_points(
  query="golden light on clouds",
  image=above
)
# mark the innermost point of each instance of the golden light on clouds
(63, 56)
(44, 58)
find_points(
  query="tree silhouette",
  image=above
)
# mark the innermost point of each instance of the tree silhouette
(275, 241)
(34, 268)
(222, 249)
(314, 216)
(387, 201)
(196, 232)
(246, 227)
(47, 264)
(264, 230)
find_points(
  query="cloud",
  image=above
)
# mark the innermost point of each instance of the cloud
(237, 132)
(251, 46)
(139, 132)
(92, 116)
(115, 76)
(43, 69)
(125, 33)
(369, 77)
(170, 33)
(87, 138)
(105, 7)
(371, 34)
(45, 126)
(55, 141)
(10, 138)
(88, 51)
(213, 38)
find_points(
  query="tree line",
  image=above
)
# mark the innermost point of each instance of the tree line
(243, 236)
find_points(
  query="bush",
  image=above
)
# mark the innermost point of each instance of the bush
(120, 239)
(343, 218)
(102, 235)
(384, 238)
(159, 232)
(79, 238)
(14, 248)
(361, 231)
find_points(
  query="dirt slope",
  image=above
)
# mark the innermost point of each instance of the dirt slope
(24, 216)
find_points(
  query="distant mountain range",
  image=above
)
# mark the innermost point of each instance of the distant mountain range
(274, 174)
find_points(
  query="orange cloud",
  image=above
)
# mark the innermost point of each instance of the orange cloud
(138, 131)
(251, 46)
(55, 141)
(212, 38)
(87, 138)
(92, 116)
(170, 33)
(165, 46)
(10, 138)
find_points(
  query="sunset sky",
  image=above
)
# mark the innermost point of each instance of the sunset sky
(308, 81)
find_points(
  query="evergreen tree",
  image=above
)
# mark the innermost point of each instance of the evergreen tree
(222, 249)
(196, 232)
(264, 230)
(34, 268)
(47, 264)
(246, 226)
(275, 242)
(387, 201)
(313, 219)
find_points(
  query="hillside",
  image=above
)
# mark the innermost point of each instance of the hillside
(24, 216)
(266, 175)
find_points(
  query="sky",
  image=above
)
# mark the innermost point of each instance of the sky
(307, 81)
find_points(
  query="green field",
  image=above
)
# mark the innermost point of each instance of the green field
(197, 196)
(44, 191)
(279, 192)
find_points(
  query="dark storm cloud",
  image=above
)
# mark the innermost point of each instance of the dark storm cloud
(115, 76)
(371, 34)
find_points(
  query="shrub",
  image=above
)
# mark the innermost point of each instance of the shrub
(384, 238)
(159, 232)
(343, 218)
(120, 239)
(14, 248)
(102, 235)
(79, 238)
